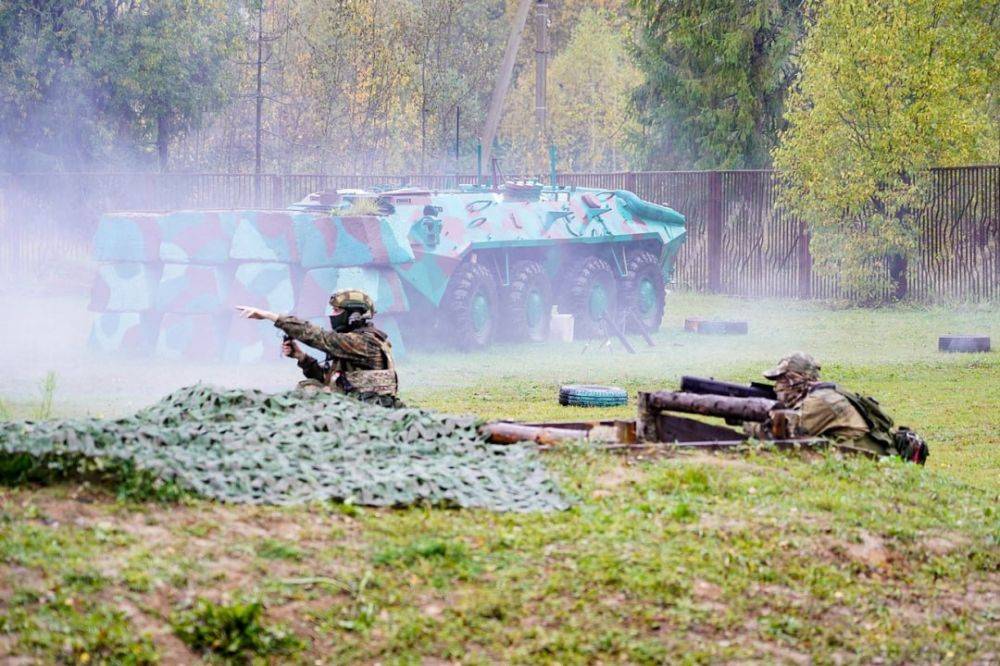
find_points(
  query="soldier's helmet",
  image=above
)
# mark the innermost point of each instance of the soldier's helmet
(353, 300)
(800, 363)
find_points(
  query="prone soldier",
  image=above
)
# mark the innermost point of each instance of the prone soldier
(358, 355)
(811, 408)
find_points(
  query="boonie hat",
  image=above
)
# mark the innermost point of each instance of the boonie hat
(799, 362)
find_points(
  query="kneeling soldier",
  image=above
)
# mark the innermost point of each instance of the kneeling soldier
(821, 409)
(358, 355)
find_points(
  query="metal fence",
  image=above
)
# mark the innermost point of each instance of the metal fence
(740, 241)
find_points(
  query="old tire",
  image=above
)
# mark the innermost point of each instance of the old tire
(527, 306)
(643, 292)
(587, 395)
(591, 295)
(470, 306)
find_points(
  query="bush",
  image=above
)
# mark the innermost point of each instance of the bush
(452, 552)
(231, 630)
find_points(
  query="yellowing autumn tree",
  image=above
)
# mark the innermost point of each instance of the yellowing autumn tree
(887, 89)
(590, 82)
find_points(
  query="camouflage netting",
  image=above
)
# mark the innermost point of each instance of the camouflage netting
(289, 448)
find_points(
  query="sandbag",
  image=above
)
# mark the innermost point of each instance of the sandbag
(122, 332)
(124, 287)
(193, 289)
(128, 237)
(197, 337)
(263, 285)
(252, 342)
(264, 236)
(196, 237)
(383, 285)
(350, 241)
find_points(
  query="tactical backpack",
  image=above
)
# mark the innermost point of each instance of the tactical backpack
(907, 444)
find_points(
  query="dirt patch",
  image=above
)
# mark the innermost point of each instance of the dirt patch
(706, 591)
(728, 461)
(170, 648)
(717, 523)
(773, 653)
(616, 478)
(300, 616)
(945, 544)
(871, 552)
(18, 577)
(868, 552)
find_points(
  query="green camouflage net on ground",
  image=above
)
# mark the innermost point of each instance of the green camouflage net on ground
(290, 448)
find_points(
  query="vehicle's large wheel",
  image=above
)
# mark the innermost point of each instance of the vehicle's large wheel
(643, 291)
(469, 306)
(591, 296)
(527, 305)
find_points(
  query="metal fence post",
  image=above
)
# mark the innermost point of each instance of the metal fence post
(713, 230)
(630, 182)
(805, 262)
(277, 192)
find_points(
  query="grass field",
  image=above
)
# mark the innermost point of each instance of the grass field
(694, 559)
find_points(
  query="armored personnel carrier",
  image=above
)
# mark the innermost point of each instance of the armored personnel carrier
(470, 265)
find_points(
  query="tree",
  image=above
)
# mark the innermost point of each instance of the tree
(590, 82)
(165, 69)
(362, 86)
(888, 89)
(47, 116)
(717, 74)
(84, 83)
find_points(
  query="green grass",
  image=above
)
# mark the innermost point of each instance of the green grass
(233, 631)
(760, 557)
(888, 353)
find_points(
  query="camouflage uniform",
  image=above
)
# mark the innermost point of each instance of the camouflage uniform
(358, 358)
(822, 410)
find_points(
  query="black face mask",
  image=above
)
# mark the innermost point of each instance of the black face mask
(339, 322)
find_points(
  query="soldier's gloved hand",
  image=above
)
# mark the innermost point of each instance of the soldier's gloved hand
(753, 430)
(290, 349)
(256, 313)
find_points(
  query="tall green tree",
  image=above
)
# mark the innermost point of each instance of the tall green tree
(888, 89)
(47, 114)
(87, 83)
(717, 75)
(590, 81)
(166, 68)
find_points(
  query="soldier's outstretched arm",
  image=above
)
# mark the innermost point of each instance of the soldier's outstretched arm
(342, 345)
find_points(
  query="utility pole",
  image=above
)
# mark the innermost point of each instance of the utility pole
(503, 80)
(541, 62)
(458, 128)
(260, 88)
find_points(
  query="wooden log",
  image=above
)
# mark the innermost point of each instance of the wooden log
(807, 444)
(645, 423)
(511, 433)
(742, 409)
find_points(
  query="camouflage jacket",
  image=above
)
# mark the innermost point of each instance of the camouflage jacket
(359, 361)
(824, 412)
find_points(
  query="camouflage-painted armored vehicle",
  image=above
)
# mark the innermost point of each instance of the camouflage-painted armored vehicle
(470, 265)
(491, 264)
